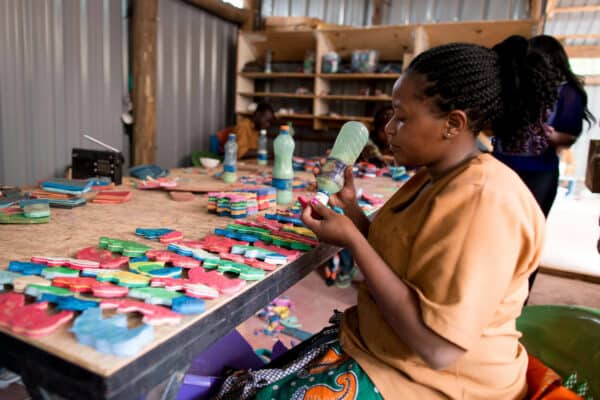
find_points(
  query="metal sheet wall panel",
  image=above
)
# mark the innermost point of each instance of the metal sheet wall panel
(195, 80)
(359, 12)
(60, 76)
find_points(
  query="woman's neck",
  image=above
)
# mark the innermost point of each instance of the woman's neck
(442, 168)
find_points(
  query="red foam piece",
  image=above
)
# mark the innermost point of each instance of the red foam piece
(29, 320)
(104, 257)
(171, 237)
(173, 258)
(216, 280)
(90, 285)
(153, 315)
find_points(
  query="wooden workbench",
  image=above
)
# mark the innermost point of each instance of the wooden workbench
(59, 364)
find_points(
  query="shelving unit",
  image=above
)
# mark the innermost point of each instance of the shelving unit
(355, 98)
(275, 94)
(276, 75)
(355, 76)
(332, 92)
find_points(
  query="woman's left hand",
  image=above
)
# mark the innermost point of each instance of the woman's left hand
(332, 228)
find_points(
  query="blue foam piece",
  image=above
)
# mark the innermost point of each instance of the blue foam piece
(236, 235)
(153, 233)
(7, 278)
(176, 249)
(26, 267)
(285, 218)
(188, 305)
(145, 171)
(69, 303)
(28, 202)
(167, 272)
(111, 335)
(138, 259)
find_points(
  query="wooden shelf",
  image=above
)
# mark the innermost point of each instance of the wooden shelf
(275, 94)
(282, 116)
(342, 76)
(367, 120)
(355, 98)
(276, 75)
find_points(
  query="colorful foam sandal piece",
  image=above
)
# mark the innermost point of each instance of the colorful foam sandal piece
(59, 272)
(25, 267)
(20, 283)
(125, 247)
(153, 315)
(103, 257)
(244, 271)
(188, 305)
(196, 253)
(65, 262)
(38, 290)
(216, 280)
(154, 295)
(111, 335)
(200, 290)
(30, 320)
(124, 278)
(69, 303)
(91, 285)
(7, 278)
(177, 260)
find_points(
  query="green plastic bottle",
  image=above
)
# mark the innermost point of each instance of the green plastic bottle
(348, 145)
(283, 172)
(230, 161)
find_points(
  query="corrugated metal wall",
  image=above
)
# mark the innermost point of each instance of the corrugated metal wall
(61, 74)
(196, 81)
(359, 12)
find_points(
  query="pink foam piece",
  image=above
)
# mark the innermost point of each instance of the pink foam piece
(65, 261)
(173, 284)
(215, 279)
(200, 291)
(290, 254)
(104, 257)
(153, 315)
(173, 258)
(171, 237)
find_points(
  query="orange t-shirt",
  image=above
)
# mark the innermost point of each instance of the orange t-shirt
(466, 245)
(246, 136)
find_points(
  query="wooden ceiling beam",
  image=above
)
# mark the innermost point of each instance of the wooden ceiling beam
(576, 9)
(223, 10)
(578, 36)
(583, 51)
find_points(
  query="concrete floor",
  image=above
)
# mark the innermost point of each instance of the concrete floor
(314, 303)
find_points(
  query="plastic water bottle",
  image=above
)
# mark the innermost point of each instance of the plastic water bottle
(262, 148)
(229, 164)
(283, 172)
(348, 145)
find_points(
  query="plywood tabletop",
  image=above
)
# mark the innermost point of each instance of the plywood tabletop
(71, 230)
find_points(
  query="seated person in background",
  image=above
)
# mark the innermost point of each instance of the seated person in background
(247, 130)
(377, 149)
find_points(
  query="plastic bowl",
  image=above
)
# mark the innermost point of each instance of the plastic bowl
(207, 162)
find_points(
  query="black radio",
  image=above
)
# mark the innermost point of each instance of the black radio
(97, 163)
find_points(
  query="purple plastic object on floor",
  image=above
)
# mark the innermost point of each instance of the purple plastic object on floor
(205, 374)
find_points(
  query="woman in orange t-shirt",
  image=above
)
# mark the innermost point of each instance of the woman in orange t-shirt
(446, 259)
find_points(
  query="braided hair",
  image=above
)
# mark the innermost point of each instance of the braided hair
(505, 89)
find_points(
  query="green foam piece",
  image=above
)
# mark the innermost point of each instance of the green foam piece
(125, 247)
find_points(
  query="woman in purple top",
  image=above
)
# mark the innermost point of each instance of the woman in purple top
(534, 157)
